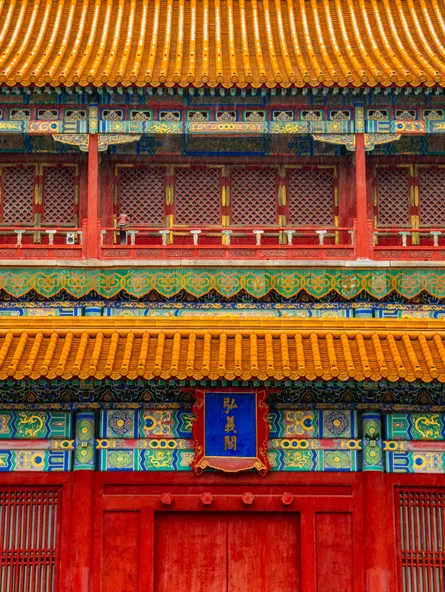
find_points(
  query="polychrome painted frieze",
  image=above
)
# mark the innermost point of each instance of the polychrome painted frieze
(286, 282)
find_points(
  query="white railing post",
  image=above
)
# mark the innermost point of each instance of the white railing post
(258, 234)
(226, 237)
(289, 235)
(321, 235)
(51, 234)
(435, 234)
(404, 236)
(195, 234)
(133, 234)
(19, 234)
(164, 236)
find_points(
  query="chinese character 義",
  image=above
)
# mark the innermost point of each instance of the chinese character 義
(230, 424)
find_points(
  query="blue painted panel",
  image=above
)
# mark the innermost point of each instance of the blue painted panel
(230, 425)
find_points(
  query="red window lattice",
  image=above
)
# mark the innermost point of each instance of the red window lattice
(393, 196)
(432, 195)
(29, 519)
(198, 196)
(141, 195)
(59, 185)
(421, 539)
(18, 195)
(311, 196)
(254, 196)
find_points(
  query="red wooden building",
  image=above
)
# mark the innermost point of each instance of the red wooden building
(222, 285)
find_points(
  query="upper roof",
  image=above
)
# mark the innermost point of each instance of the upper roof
(227, 42)
(222, 348)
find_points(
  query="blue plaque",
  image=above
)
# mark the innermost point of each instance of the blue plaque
(230, 431)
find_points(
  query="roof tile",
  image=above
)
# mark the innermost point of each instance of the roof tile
(227, 42)
(229, 350)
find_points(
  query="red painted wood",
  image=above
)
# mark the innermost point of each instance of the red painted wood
(31, 549)
(93, 198)
(339, 517)
(334, 552)
(120, 567)
(78, 517)
(264, 553)
(362, 238)
(190, 552)
(376, 555)
(106, 206)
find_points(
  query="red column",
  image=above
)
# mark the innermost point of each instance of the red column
(377, 532)
(78, 573)
(363, 238)
(93, 198)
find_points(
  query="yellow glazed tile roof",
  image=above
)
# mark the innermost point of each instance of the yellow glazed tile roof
(223, 348)
(228, 42)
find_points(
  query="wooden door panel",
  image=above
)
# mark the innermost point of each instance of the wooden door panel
(334, 552)
(120, 567)
(263, 553)
(190, 552)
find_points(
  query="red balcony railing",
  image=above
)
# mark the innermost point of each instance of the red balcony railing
(409, 243)
(221, 243)
(228, 243)
(31, 242)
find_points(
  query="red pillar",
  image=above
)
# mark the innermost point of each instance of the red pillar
(78, 573)
(363, 237)
(377, 532)
(93, 198)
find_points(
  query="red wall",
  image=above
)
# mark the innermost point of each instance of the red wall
(121, 532)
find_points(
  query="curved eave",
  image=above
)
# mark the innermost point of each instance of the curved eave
(226, 348)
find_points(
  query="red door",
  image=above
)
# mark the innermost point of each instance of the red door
(226, 552)
(147, 541)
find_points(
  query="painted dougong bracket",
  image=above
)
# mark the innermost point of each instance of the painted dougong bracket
(348, 140)
(104, 140)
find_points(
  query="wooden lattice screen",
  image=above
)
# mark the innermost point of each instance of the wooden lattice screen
(254, 195)
(311, 198)
(18, 194)
(193, 195)
(59, 195)
(431, 182)
(142, 194)
(29, 539)
(198, 196)
(39, 194)
(393, 196)
(420, 518)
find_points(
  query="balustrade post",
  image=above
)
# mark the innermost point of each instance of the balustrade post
(93, 198)
(362, 240)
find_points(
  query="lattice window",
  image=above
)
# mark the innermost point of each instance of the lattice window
(198, 196)
(254, 196)
(18, 195)
(142, 195)
(393, 196)
(29, 519)
(432, 195)
(59, 195)
(420, 519)
(311, 196)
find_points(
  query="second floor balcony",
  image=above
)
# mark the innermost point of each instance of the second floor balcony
(154, 211)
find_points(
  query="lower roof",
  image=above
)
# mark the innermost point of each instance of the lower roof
(222, 348)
